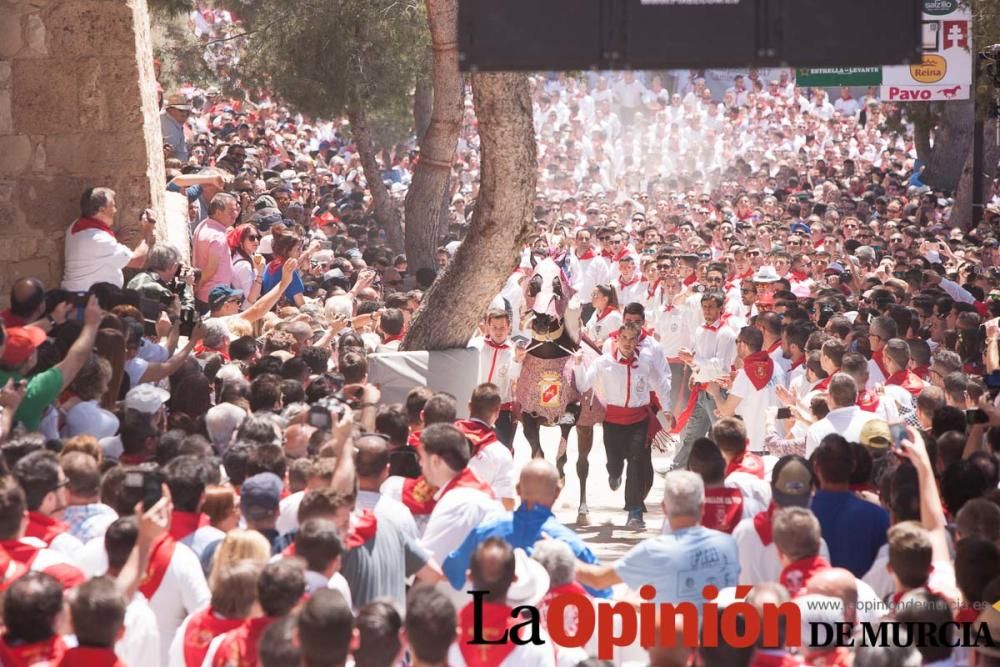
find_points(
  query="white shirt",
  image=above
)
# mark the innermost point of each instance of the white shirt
(755, 402)
(759, 563)
(182, 591)
(670, 323)
(93, 256)
(88, 417)
(956, 291)
(599, 328)
(288, 513)
(497, 365)
(142, 635)
(634, 292)
(315, 581)
(627, 385)
(494, 464)
(592, 272)
(845, 421)
(715, 348)
(454, 516)
(389, 509)
(525, 655)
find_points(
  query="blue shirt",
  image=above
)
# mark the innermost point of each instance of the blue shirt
(681, 564)
(272, 278)
(854, 529)
(521, 529)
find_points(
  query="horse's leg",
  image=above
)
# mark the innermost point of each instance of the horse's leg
(561, 456)
(531, 434)
(584, 441)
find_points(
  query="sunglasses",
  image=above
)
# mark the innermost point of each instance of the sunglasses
(253, 237)
(753, 253)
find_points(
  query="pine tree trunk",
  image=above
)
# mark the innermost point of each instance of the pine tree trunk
(459, 297)
(437, 147)
(423, 104)
(386, 214)
(952, 145)
(962, 211)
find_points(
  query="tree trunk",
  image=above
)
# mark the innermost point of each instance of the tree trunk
(923, 123)
(459, 297)
(952, 145)
(961, 215)
(437, 148)
(386, 214)
(423, 104)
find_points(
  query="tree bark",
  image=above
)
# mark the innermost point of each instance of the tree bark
(386, 214)
(423, 105)
(437, 147)
(961, 215)
(500, 224)
(923, 123)
(952, 145)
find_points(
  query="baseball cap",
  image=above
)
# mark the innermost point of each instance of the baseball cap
(146, 398)
(800, 227)
(876, 436)
(220, 294)
(791, 484)
(260, 495)
(21, 342)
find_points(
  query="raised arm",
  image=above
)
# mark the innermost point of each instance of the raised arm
(80, 351)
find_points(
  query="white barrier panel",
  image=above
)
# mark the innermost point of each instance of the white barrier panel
(452, 371)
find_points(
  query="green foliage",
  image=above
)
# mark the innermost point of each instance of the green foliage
(322, 54)
(170, 7)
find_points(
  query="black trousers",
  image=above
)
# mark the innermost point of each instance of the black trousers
(506, 427)
(627, 443)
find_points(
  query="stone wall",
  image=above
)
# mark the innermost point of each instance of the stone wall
(78, 108)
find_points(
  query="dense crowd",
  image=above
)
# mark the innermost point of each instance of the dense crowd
(197, 468)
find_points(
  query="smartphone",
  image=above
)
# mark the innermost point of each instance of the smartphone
(520, 340)
(152, 491)
(976, 417)
(899, 434)
(784, 413)
(319, 417)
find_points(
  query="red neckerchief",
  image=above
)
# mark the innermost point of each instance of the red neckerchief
(868, 401)
(764, 658)
(496, 622)
(966, 615)
(132, 459)
(604, 313)
(723, 508)
(774, 347)
(275, 264)
(838, 657)
(90, 656)
(10, 570)
(982, 309)
(23, 553)
(183, 524)
(719, 323)
(796, 575)
(621, 253)
(879, 359)
(691, 279)
(571, 616)
(47, 652)
(239, 647)
(759, 368)
(762, 524)
(389, 339)
(90, 223)
(160, 555)
(907, 380)
(652, 288)
(200, 349)
(587, 255)
(624, 285)
(607, 254)
(413, 440)
(44, 527)
(495, 346)
(203, 627)
(823, 384)
(799, 276)
(748, 463)
(796, 364)
(477, 433)
(922, 372)
(363, 527)
(418, 494)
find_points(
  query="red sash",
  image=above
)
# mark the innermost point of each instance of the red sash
(90, 223)
(90, 656)
(40, 654)
(868, 401)
(796, 575)
(723, 509)
(44, 527)
(759, 368)
(24, 555)
(203, 627)
(748, 463)
(697, 389)
(762, 524)
(418, 495)
(159, 560)
(363, 527)
(908, 380)
(477, 433)
(183, 524)
(879, 359)
(496, 620)
(240, 645)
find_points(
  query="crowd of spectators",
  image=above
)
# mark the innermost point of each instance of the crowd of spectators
(196, 466)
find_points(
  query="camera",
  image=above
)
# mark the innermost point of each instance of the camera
(321, 414)
(146, 485)
(189, 317)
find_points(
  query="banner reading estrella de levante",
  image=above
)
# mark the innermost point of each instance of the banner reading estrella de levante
(835, 77)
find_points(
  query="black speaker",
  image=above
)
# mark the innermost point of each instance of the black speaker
(678, 34)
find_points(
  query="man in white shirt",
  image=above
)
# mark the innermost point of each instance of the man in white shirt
(623, 379)
(461, 500)
(629, 285)
(93, 253)
(881, 330)
(593, 271)
(491, 461)
(500, 364)
(845, 417)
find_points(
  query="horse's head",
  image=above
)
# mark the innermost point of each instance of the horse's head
(548, 293)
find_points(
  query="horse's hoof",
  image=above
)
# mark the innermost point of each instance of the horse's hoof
(583, 515)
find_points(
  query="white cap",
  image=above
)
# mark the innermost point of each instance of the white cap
(531, 581)
(146, 398)
(90, 418)
(221, 421)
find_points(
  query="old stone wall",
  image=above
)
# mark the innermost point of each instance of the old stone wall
(78, 108)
